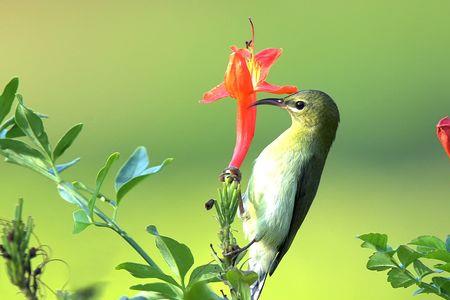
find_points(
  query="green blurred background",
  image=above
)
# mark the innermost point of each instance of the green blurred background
(133, 73)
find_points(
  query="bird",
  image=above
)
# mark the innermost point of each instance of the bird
(285, 179)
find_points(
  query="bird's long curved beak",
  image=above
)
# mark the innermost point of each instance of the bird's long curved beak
(270, 101)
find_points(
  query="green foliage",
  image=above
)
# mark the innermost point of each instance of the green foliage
(179, 260)
(134, 171)
(80, 221)
(7, 98)
(66, 141)
(177, 256)
(101, 176)
(35, 153)
(400, 260)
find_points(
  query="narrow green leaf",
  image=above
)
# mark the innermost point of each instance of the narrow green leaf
(134, 171)
(398, 278)
(421, 269)
(67, 191)
(65, 166)
(7, 97)
(443, 284)
(32, 125)
(407, 255)
(443, 267)
(427, 243)
(447, 243)
(441, 255)
(20, 153)
(9, 129)
(164, 289)
(81, 221)
(66, 141)
(425, 290)
(200, 291)
(177, 255)
(100, 178)
(236, 278)
(380, 261)
(146, 271)
(249, 277)
(375, 241)
(14, 132)
(206, 273)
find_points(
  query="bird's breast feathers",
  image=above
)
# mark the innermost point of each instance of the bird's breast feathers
(271, 191)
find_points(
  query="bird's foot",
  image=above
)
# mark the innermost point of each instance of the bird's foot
(231, 172)
(238, 250)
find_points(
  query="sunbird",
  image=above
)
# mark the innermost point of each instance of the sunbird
(285, 179)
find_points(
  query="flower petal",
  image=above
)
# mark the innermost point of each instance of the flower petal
(245, 129)
(241, 51)
(238, 81)
(443, 133)
(276, 89)
(265, 59)
(216, 93)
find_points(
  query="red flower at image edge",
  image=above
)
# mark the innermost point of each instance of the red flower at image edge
(245, 76)
(443, 133)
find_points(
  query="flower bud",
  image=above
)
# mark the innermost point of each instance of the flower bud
(37, 271)
(10, 236)
(32, 252)
(209, 204)
(443, 133)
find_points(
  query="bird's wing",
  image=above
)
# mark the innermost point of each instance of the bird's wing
(307, 185)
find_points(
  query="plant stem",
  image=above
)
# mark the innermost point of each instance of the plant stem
(135, 246)
(111, 223)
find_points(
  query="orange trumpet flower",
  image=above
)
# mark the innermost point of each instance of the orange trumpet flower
(245, 76)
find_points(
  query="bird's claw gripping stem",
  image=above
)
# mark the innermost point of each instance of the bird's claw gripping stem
(231, 172)
(238, 251)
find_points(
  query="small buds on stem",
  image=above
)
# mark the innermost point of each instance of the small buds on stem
(226, 206)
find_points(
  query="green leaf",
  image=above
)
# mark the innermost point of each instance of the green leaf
(427, 243)
(206, 273)
(443, 284)
(65, 166)
(20, 153)
(380, 261)
(67, 191)
(443, 267)
(236, 278)
(441, 255)
(398, 278)
(407, 255)
(163, 289)
(375, 241)
(425, 290)
(178, 256)
(81, 221)
(32, 125)
(134, 171)
(7, 97)
(421, 269)
(14, 131)
(100, 178)
(146, 271)
(200, 291)
(249, 277)
(66, 141)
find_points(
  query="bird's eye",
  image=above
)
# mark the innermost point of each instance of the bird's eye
(299, 105)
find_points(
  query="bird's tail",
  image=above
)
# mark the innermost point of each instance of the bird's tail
(261, 257)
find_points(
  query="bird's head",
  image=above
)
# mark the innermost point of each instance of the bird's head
(308, 108)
